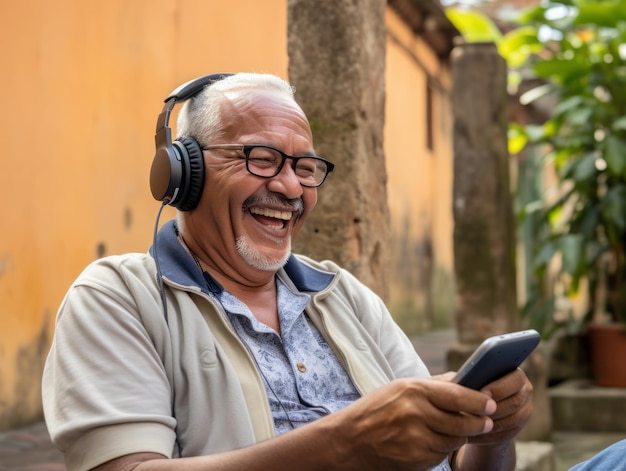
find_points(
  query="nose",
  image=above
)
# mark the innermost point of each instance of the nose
(286, 181)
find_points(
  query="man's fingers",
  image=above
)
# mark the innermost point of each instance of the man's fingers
(455, 398)
(462, 425)
(506, 386)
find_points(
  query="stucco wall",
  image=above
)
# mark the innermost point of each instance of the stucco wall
(83, 84)
(419, 181)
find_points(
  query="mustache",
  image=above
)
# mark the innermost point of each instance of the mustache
(295, 205)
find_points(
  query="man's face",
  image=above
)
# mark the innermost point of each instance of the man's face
(242, 217)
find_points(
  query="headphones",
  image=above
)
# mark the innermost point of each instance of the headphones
(177, 172)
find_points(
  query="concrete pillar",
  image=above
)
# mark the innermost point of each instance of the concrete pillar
(484, 223)
(337, 64)
(484, 226)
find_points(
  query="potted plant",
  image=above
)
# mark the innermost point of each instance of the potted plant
(576, 53)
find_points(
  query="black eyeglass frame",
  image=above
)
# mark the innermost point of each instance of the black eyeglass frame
(247, 148)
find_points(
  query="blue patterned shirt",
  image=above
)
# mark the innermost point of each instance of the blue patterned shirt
(302, 376)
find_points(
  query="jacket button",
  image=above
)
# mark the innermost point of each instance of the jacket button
(301, 367)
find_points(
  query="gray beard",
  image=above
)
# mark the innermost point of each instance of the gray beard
(257, 260)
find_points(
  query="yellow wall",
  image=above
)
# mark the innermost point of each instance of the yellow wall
(419, 180)
(83, 83)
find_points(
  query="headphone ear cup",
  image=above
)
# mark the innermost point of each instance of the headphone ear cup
(192, 160)
(165, 174)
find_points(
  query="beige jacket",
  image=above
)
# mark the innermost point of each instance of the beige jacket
(120, 380)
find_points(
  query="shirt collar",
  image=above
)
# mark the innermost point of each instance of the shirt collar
(176, 265)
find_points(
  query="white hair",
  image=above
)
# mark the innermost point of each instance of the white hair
(200, 116)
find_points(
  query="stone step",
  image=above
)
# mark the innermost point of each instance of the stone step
(579, 405)
(535, 456)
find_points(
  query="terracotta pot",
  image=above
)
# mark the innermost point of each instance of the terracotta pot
(607, 343)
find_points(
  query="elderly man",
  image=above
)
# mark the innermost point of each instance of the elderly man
(221, 350)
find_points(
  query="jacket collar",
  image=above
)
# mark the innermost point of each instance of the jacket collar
(176, 265)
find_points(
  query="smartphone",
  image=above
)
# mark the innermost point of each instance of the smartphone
(495, 357)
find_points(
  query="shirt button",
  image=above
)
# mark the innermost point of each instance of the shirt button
(301, 367)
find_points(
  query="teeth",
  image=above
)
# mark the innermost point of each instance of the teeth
(272, 213)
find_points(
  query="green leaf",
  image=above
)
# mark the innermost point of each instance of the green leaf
(587, 221)
(474, 26)
(538, 314)
(514, 79)
(619, 124)
(601, 13)
(560, 70)
(614, 207)
(518, 45)
(532, 14)
(563, 161)
(571, 248)
(546, 252)
(517, 138)
(585, 169)
(550, 128)
(568, 104)
(554, 216)
(534, 132)
(580, 116)
(615, 155)
(533, 207)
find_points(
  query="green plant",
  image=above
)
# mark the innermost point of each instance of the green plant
(575, 53)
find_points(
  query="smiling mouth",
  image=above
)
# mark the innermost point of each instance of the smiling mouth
(274, 211)
(271, 217)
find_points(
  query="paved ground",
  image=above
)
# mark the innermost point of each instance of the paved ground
(30, 449)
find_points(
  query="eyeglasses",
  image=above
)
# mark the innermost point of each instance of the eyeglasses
(267, 162)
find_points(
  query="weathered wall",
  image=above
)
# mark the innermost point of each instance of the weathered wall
(420, 180)
(84, 82)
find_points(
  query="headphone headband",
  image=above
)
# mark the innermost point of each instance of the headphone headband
(188, 89)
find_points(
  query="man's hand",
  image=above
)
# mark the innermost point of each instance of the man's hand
(495, 450)
(411, 424)
(513, 395)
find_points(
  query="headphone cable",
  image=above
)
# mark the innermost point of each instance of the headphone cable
(159, 279)
(161, 287)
